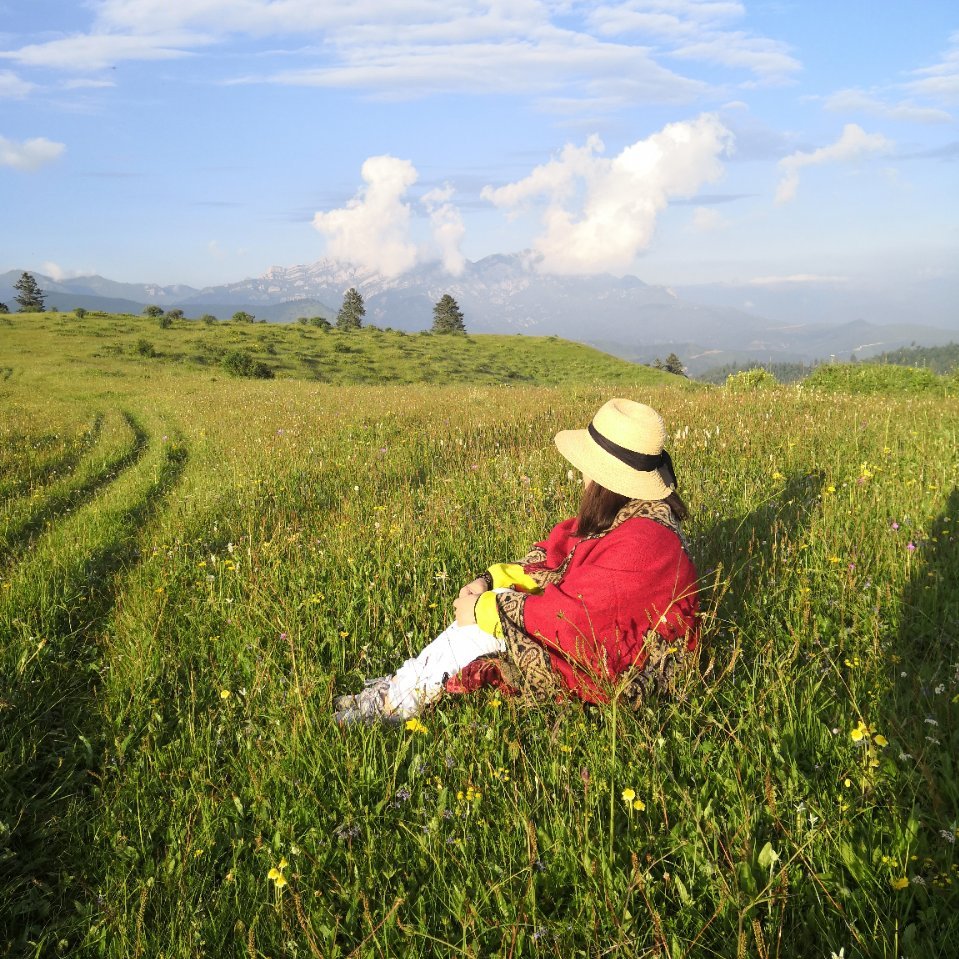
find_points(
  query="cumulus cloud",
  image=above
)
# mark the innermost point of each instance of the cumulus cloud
(53, 270)
(373, 229)
(12, 86)
(447, 226)
(853, 142)
(854, 100)
(29, 155)
(600, 213)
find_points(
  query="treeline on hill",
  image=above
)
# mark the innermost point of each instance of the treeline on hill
(784, 372)
(937, 359)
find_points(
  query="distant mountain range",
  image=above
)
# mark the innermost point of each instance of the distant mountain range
(704, 325)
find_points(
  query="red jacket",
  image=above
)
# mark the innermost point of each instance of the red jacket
(593, 623)
(605, 601)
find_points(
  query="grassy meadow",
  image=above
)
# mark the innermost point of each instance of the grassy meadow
(112, 345)
(192, 566)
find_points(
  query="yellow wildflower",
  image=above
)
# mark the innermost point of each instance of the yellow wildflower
(415, 726)
(900, 883)
(639, 804)
(880, 740)
(628, 794)
(280, 881)
(225, 694)
(274, 874)
(861, 732)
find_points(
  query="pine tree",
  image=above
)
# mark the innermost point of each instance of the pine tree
(447, 316)
(674, 364)
(351, 312)
(4, 308)
(29, 294)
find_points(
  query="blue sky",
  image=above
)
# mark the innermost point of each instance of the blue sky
(202, 141)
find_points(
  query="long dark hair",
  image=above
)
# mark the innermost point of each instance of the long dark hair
(599, 506)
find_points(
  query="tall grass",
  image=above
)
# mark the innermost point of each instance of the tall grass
(173, 783)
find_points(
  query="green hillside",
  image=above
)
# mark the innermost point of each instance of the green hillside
(939, 359)
(875, 379)
(119, 344)
(193, 566)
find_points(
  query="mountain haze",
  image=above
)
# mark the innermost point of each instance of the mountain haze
(705, 325)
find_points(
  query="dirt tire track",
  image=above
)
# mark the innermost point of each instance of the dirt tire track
(21, 531)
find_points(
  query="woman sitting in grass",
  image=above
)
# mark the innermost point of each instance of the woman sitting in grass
(605, 604)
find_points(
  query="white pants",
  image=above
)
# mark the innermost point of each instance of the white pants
(419, 681)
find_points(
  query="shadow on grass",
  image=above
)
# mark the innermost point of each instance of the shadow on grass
(920, 714)
(49, 739)
(735, 558)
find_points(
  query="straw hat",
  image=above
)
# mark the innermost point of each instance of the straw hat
(622, 449)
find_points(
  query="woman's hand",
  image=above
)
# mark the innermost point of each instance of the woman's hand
(474, 588)
(465, 607)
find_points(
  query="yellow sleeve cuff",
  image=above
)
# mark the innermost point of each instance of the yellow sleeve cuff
(487, 615)
(511, 576)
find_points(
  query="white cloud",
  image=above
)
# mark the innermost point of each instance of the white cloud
(95, 51)
(854, 100)
(941, 80)
(53, 270)
(531, 66)
(600, 213)
(12, 87)
(373, 229)
(706, 219)
(796, 279)
(88, 84)
(29, 155)
(691, 30)
(854, 142)
(767, 59)
(448, 228)
(537, 47)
